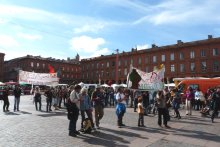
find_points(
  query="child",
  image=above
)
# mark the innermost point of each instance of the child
(140, 112)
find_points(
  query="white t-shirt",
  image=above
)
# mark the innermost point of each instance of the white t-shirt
(74, 97)
(120, 96)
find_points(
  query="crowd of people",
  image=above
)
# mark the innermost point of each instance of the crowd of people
(80, 100)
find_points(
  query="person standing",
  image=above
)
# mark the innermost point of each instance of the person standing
(189, 99)
(98, 103)
(85, 107)
(73, 106)
(198, 99)
(140, 113)
(216, 103)
(17, 94)
(120, 107)
(176, 102)
(161, 106)
(37, 98)
(5, 99)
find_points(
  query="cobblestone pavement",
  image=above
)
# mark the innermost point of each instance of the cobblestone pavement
(31, 128)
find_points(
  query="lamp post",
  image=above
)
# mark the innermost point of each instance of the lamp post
(116, 67)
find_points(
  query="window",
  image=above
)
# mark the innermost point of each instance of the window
(203, 66)
(113, 63)
(126, 62)
(171, 56)
(32, 64)
(202, 53)
(102, 65)
(43, 65)
(154, 59)
(192, 67)
(147, 69)
(119, 62)
(146, 60)
(181, 56)
(107, 74)
(172, 68)
(132, 61)
(119, 72)
(97, 65)
(215, 66)
(215, 52)
(38, 64)
(182, 67)
(107, 64)
(192, 54)
(102, 73)
(163, 58)
(139, 60)
(125, 71)
(113, 74)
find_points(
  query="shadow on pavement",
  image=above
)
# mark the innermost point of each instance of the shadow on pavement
(152, 130)
(109, 138)
(197, 134)
(24, 112)
(51, 114)
(11, 113)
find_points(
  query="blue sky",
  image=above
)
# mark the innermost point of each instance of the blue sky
(63, 28)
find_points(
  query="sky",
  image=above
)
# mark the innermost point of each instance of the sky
(63, 28)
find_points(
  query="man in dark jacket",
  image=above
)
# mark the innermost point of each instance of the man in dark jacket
(17, 94)
(216, 103)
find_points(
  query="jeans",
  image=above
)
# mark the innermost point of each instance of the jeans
(73, 121)
(141, 119)
(120, 117)
(49, 103)
(99, 112)
(16, 103)
(162, 111)
(38, 101)
(6, 104)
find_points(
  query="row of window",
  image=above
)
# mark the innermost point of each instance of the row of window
(46, 66)
(203, 53)
(182, 68)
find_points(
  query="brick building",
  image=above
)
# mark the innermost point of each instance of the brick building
(1, 66)
(191, 59)
(68, 70)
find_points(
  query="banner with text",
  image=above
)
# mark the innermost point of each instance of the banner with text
(38, 78)
(138, 79)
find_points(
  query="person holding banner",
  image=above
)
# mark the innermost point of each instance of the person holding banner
(37, 98)
(120, 107)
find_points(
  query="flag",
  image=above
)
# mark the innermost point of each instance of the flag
(146, 81)
(51, 69)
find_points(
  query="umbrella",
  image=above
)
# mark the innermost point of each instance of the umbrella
(105, 85)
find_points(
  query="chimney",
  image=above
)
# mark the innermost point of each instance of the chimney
(154, 45)
(209, 36)
(179, 42)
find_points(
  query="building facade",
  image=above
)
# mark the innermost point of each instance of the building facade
(191, 59)
(68, 70)
(1, 66)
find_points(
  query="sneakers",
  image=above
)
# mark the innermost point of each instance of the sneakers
(77, 132)
(72, 134)
(166, 126)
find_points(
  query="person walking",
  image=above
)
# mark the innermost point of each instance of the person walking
(176, 102)
(73, 106)
(216, 103)
(49, 97)
(161, 106)
(37, 98)
(17, 95)
(5, 99)
(120, 107)
(98, 103)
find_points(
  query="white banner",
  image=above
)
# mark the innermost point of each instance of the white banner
(38, 78)
(138, 79)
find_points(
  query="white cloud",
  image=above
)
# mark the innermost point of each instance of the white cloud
(86, 45)
(29, 36)
(144, 46)
(8, 41)
(89, 28)
(182, 12)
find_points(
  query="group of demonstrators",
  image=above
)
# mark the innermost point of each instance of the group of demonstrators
(80, 100)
